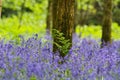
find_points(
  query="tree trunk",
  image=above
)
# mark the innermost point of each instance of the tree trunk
(0, 7)
(63, 19)
(49, 17)
(107, 22)
(21, 14)
(76, 16)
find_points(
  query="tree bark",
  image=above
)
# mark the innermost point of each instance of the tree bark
(49, 17)
(107, 22)
(63, 18)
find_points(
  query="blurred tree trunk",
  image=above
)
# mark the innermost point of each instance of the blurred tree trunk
(49, 16)
(84, 14)
(63, 19)
(76, 16)
(107, 22)
(0, 7)
(21, 14)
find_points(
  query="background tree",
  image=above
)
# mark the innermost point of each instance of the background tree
(63, 20)
(49, 16)
(21, 14)
(0, 7)
(76, 15)
(107, 21)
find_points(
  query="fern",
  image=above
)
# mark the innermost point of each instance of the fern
(62, 44)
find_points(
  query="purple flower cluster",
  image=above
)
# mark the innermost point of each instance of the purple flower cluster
(90, 61)
(34, 59)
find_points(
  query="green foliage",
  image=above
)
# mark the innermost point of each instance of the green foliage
(62, 44)
(91, 30)
(93, 11)
(116, 15)
(35, 22)
(96, 31)
(83, 4)
(33, 78)
(31, 23)
(9, 27)
(115, 31)
(33, 5)
(67, 73)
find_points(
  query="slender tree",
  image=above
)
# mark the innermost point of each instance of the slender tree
(107, 22)
(63, 19)
(21, 14)
(49, 16)
(0, 7)
(76, 15)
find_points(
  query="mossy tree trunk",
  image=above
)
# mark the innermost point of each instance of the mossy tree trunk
(63, 19)
(49, 16)
(0, 7)
(107, 22)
